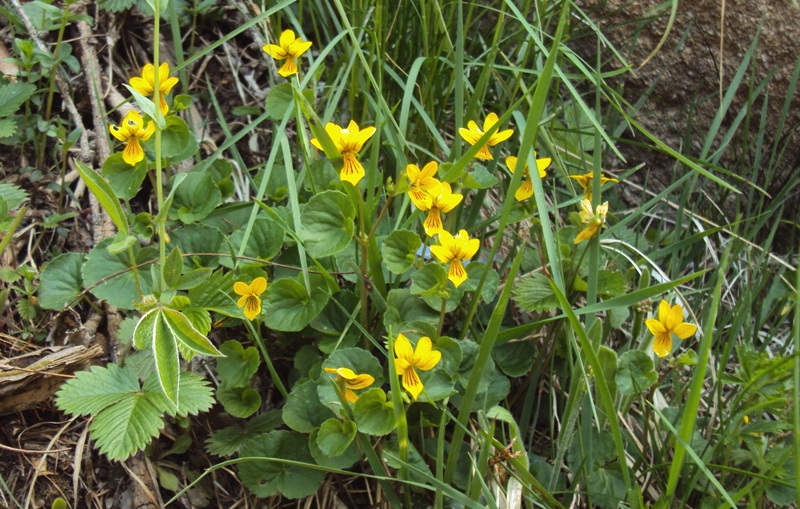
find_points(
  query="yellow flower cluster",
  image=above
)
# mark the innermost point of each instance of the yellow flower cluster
(132, 130)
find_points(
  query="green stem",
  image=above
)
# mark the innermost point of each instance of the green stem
(162, 223)
(442, 313)
(12, 228)
(399, 409)
(254, 331)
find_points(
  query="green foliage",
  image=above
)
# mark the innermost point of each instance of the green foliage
(327, 221)
(290, 307)
(267, 477)
(62, 282)
(127, 414)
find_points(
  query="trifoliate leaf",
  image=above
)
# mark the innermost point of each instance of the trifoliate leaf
(13, 195)
(115, 5)
(92, 391)
(195, 395)
(126, 426)
(7, 127)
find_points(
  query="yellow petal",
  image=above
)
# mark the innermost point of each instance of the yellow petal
(541, 165)
(413, 173)
(252, 308)
(133, 152)
(511, 162)
(663, 312)
(524, 191)
(448, 202)
(491, 119)
(287, 38)
(685, 330)
(500, 137)
(655, 327)
(258, 285)
(441, 253)
(421, 199)
(274, 51)
(403, 349)
(363, 136)
(350, 396)
(484, 153)
(242, 302)
(298, 47)
(117, 133)
(352, 171)
(360, 382)
(433, 223)
(241, 289)
(429, 170)
(469, 249)
(167, 85)
(456, 273)
(674, 317)
(425, 358)
(412, 383)
(662, 344)
(289, 68)
(470, 137)
(141, 86)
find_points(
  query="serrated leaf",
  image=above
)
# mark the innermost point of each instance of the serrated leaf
(126, 427)
(7, 127)
(115, 5)
(195, 395)
(61, 281)
(303, 411)
(92, 391)
(198, 238)
(335, 436)
(214, 294)
(200, 318)
(265, 478)
(399, 250)
(238, 365)
(240, 402)
(327, 223)
(611, 283)
(13, 195)
(13, 95)
(289, 307)
(183, 330)
(533, 293)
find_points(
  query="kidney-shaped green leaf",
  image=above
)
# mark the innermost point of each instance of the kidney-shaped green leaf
(327, 222)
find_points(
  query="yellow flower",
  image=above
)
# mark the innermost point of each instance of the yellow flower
(593, 220)
(585, 181)
(348, 381)
(131, 131)
(250, 301)
(289, 47)
(454, 250)
(525, 190)
(670, 321)
(440, 200)
(145, 84)
(422, 181)
(407, 358)
(474, 133)
(349, 143)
